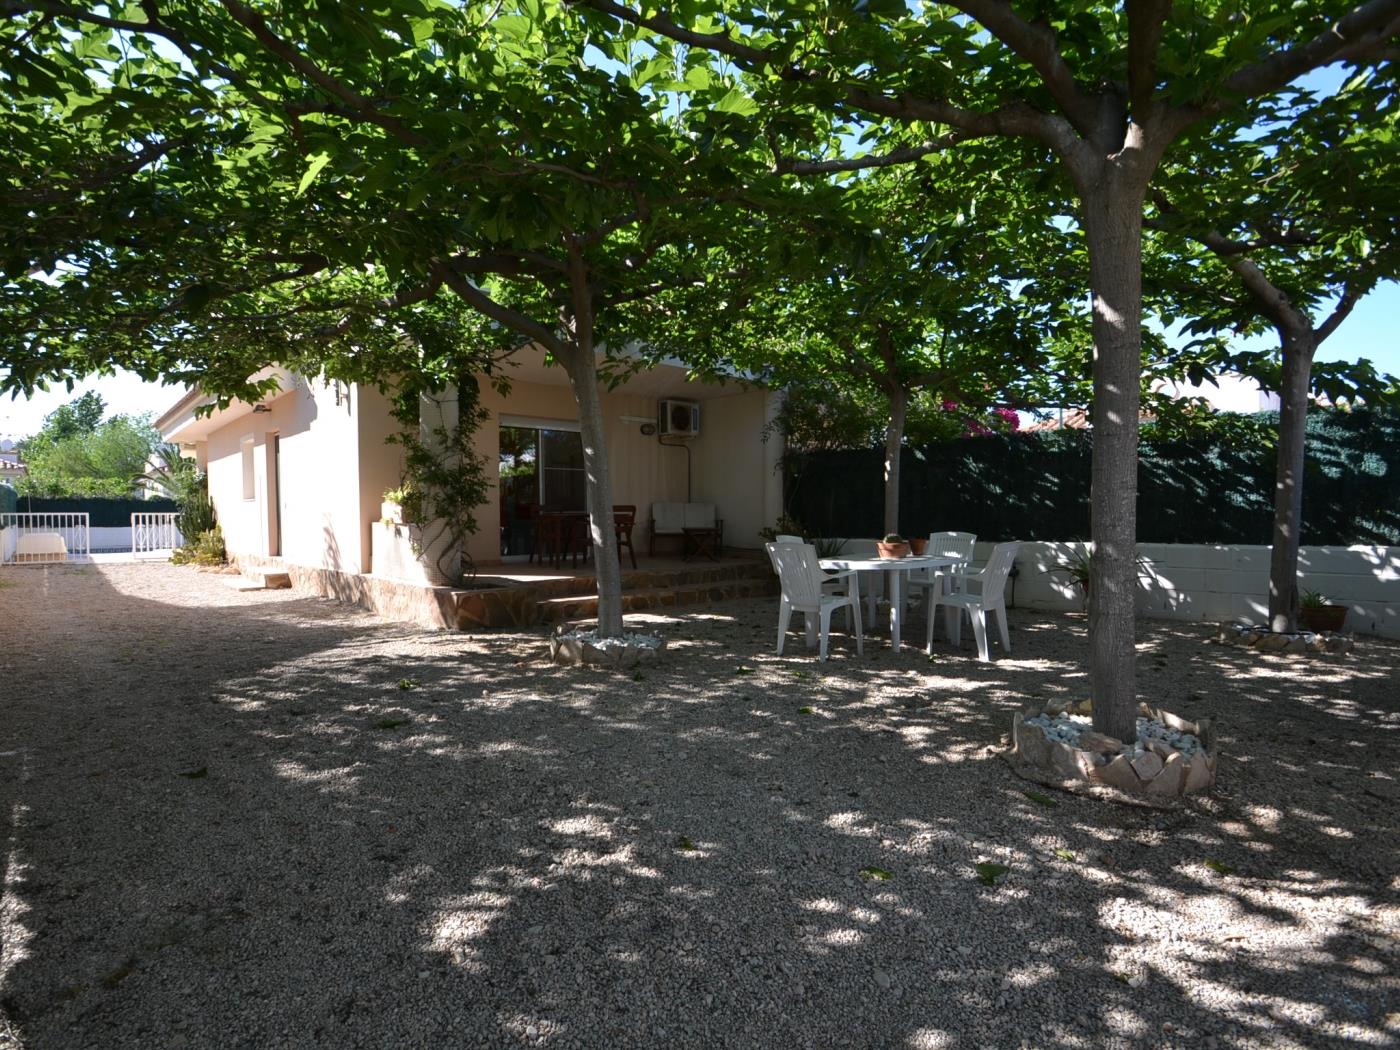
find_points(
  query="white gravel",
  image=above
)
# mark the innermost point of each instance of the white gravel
(258, 820)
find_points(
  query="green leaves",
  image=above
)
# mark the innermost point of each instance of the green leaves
(988, 872)
(318, 162)
(735, 101)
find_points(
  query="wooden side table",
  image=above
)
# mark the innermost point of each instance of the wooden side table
(699, 542)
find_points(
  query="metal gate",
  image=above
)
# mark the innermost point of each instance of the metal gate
(44, 537)
(154, 535)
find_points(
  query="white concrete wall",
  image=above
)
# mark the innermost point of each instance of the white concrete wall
(1217, 583)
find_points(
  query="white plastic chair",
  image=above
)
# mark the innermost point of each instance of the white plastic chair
(990, 585)
(801, 577)
(957, 545)
(834, 581)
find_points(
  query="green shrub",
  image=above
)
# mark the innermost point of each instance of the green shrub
(207, 549)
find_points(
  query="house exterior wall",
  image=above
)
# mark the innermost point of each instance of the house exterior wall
(333, 468)
(335, 465)
(727, 459)
(736, 468)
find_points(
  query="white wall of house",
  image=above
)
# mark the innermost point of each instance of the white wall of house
(1230, 582)
(333, 468)
(335, 464)
(727, 459)
(735, 468)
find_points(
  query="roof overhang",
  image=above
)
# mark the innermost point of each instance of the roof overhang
(189, 421)
(664, 379)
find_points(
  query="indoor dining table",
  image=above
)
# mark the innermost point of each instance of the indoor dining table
(895, 569)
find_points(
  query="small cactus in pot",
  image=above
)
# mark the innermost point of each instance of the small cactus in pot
(893, 546)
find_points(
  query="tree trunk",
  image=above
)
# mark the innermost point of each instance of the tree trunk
(894, 446)
(1113, 227)
(579, 362)
(1298, 350)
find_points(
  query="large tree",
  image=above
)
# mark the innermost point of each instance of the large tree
(78, 453)
(1296, 218)
(440, 150)
(1105, 90)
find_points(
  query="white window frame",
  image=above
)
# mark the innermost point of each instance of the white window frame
(538, 423)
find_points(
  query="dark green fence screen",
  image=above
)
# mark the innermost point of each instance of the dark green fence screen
(1036, 487)
(102, 513)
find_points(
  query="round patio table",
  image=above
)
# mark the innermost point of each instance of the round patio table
(895, 569)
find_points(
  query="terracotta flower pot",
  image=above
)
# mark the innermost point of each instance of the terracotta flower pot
(918, 546)
(892, 550)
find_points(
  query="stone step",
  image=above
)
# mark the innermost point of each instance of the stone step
(258, 580)
(582, 606)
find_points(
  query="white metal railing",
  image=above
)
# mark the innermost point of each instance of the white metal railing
(152, 533)
(44, 537)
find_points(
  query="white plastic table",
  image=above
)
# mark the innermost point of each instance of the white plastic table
(895, 570)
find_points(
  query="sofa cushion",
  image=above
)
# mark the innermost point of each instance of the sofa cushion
(699, 515)
(668, 517)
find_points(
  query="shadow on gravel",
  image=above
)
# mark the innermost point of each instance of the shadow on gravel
(281, 825)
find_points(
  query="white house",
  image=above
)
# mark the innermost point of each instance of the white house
(298, 478)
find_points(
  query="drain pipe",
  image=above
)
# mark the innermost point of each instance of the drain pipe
(660, 440)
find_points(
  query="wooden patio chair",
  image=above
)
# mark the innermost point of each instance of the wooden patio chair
(625, 520)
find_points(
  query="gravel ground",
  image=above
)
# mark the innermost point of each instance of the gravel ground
(259, 820)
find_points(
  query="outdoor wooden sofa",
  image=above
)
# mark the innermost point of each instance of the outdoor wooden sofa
(696, 525)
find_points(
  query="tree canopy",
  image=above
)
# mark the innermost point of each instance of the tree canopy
(244, 184)
(78, 453)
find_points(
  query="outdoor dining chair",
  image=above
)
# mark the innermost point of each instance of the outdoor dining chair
(801, 577)
(989, 597)
(624, 521)
(957, 545)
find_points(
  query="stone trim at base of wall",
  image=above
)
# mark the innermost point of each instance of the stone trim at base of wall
(415, 603)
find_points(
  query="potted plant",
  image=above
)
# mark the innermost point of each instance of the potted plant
(1315, 613)
(1079, 566)
(893, 546)
(917, 545)
(401, 506)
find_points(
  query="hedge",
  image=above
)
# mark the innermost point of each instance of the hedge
(103, 512)
(7, 498)
(1035, 486)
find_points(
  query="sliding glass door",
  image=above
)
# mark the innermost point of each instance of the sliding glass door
(540, 467)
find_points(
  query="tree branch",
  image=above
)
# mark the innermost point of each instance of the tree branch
(1147, 19)
(789, 166)
(1351, 295)
(1364, 33)
(364, 107)
(504, 315)
(1037, 45)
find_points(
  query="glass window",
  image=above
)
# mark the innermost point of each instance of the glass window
(250, 487)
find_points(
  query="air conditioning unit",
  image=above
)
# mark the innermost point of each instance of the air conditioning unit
(678, 418)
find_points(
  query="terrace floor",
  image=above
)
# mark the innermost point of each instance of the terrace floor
(250, 819)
